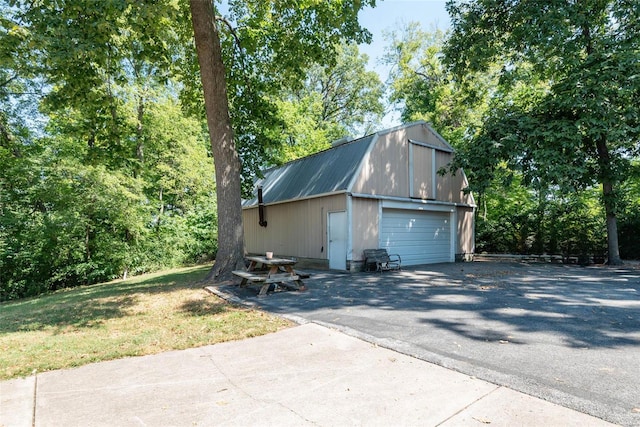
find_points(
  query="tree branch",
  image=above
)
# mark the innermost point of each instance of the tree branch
(9, 80)
(237, 44)
(233, 31)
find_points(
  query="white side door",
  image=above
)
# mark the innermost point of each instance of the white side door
(337, 240)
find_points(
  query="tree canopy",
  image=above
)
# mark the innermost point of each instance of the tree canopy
(334, 101)
(102, 175)
(104, 166)
(423, 88)
(566, 109)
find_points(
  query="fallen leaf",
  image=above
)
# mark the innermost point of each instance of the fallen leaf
(637, 410)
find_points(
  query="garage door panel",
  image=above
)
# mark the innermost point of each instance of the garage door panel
(419, 237)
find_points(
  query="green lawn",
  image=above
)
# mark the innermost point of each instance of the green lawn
(143, 315)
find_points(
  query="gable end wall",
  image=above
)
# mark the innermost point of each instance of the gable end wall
(402, 164)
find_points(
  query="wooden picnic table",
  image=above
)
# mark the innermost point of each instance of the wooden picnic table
(267, 271)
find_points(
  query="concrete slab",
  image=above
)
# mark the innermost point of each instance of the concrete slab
(16, 402)
(305, 375)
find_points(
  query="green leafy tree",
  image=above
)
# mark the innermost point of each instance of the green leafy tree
(423, 88)
(19, 89)
(92, 54)
(576, 225)
(338, 100)
(119, 180)
(506, 215)
(574, 121)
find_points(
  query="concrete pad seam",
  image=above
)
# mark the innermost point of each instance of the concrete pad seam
(468, 406)
(258, 409)
(226, 377)
(35, 396)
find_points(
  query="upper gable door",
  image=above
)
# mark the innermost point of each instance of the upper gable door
(422, 172)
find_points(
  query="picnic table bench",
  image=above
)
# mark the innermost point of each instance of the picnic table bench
(270, 271)
(382, 260)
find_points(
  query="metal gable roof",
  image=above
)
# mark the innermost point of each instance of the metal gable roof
(328, 171)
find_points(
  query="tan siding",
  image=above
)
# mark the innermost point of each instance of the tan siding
(385, 170)
(293, 229)
(444, 182)
(422, 172)
(365, 226)
(459, 183)
(251, 227)
(466, 243)
(463, 183)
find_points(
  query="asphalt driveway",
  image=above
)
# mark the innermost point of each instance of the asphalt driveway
(567, 334)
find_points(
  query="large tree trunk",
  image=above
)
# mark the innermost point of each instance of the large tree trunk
(609, 198)
(225, 157)
(612, 226)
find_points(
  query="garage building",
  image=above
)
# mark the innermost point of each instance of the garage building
(379, 191)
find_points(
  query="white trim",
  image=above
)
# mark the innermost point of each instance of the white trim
(392, 204)
(411, 176)
(411, 201)
(435, 147)
(369, 196)
(454, 235)
(315, 196)
(379, 223)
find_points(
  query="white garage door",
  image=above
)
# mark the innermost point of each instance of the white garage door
(418, 237)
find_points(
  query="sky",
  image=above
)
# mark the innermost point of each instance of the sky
(391, 14)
